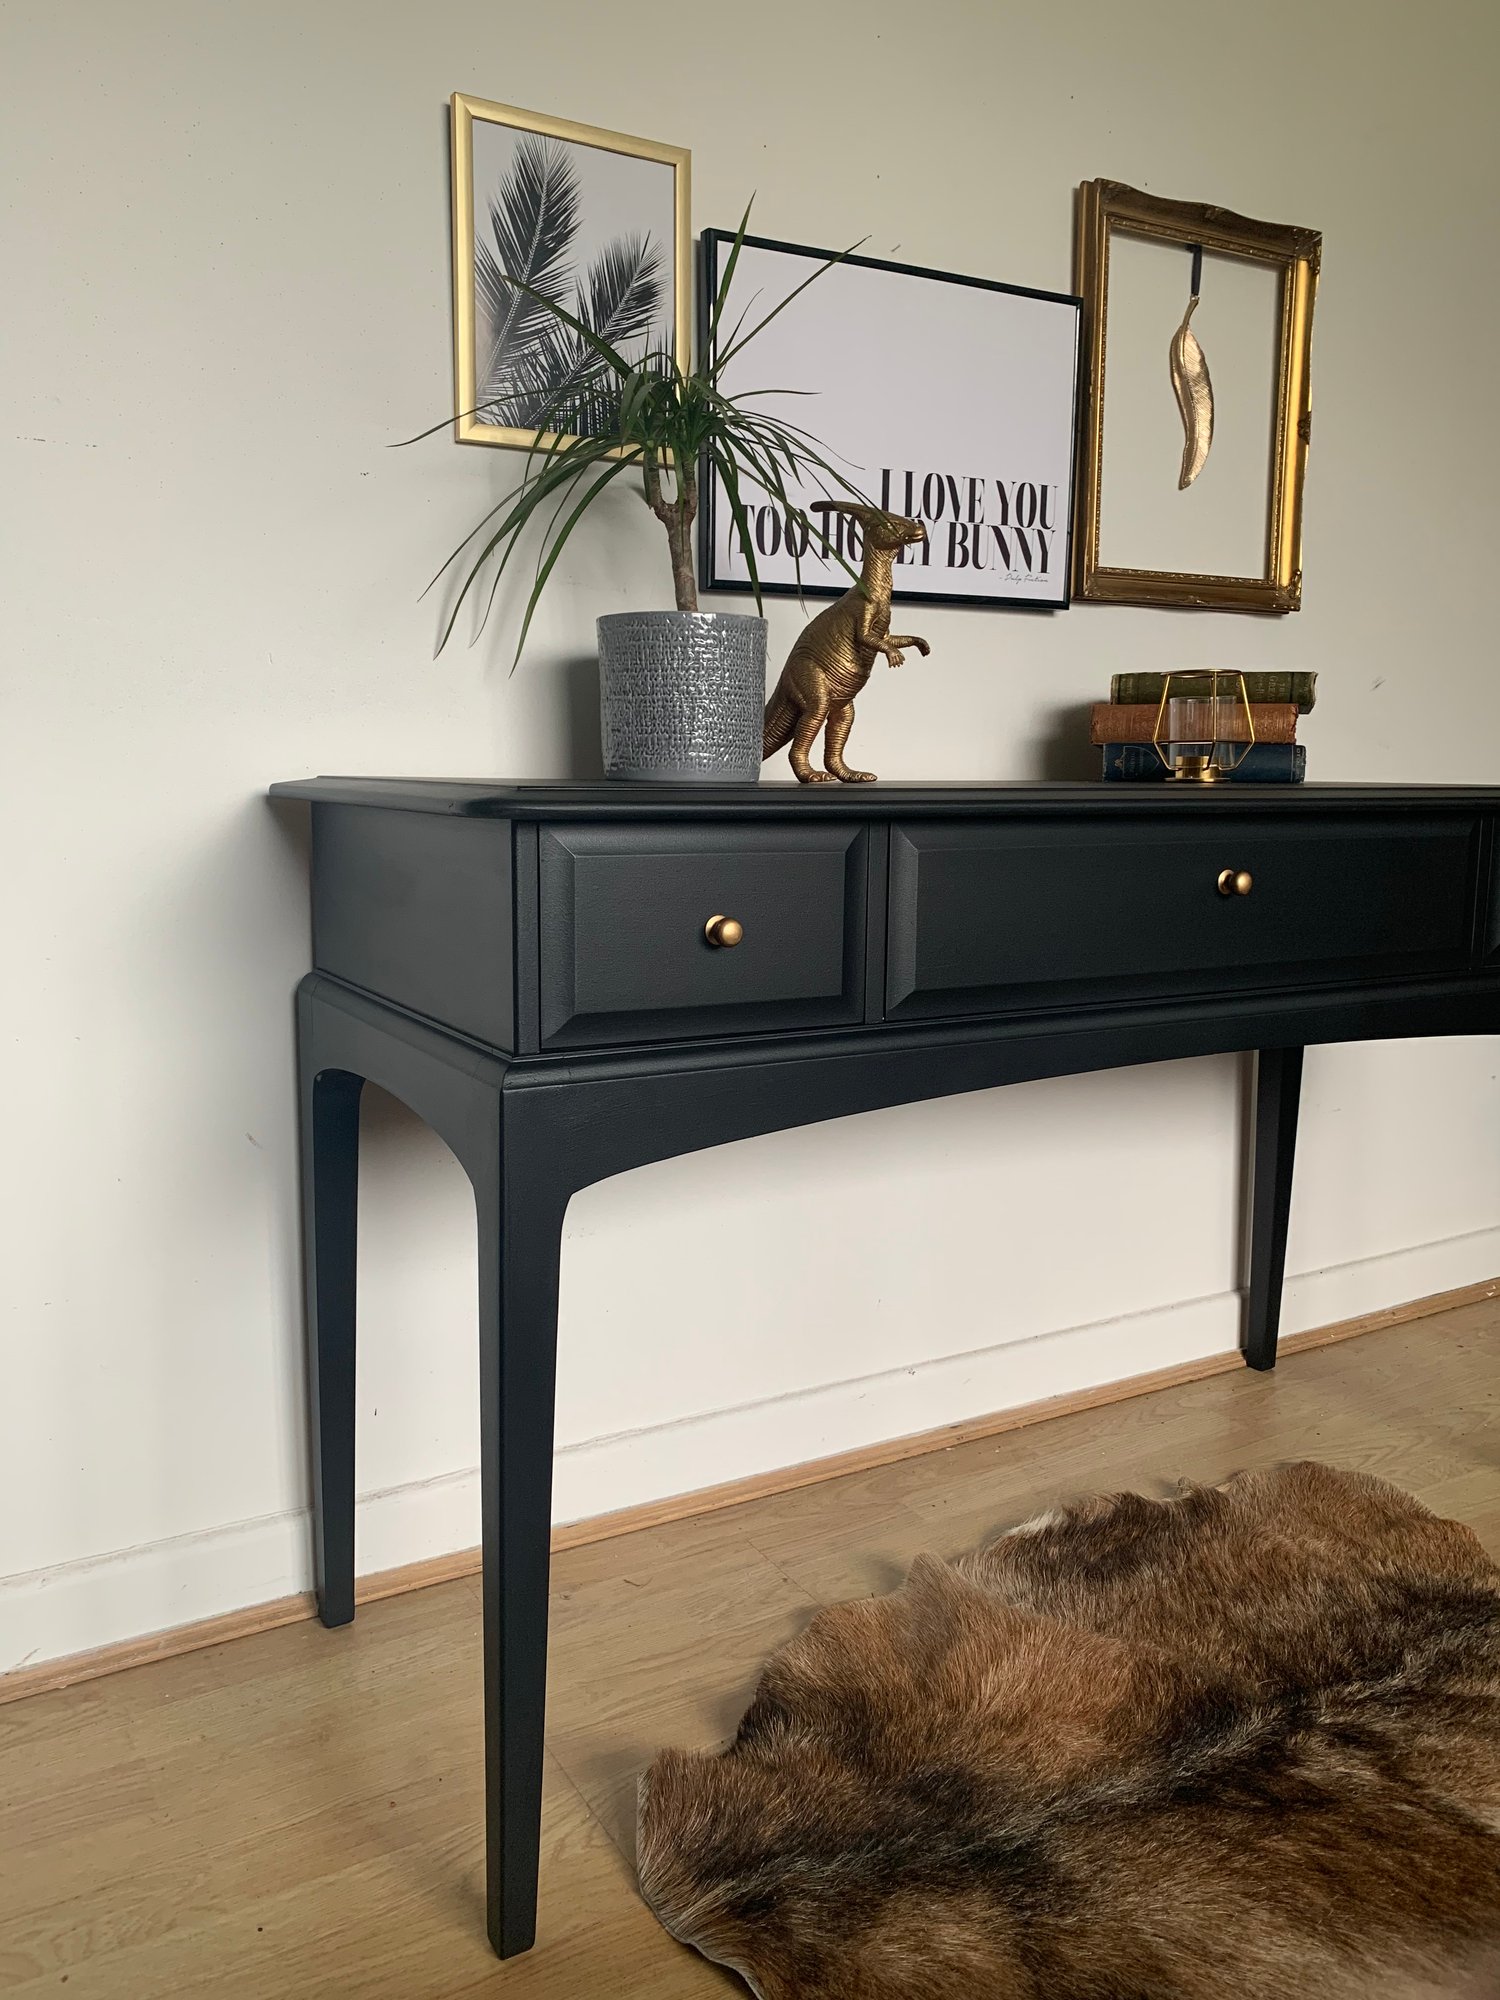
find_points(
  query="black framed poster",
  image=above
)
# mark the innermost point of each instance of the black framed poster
(950, 399)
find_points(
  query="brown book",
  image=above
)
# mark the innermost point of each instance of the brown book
(1135, 721)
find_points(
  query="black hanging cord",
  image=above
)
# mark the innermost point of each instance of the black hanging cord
(1197, 250)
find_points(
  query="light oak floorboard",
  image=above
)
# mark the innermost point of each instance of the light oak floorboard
(300, 1812)
(21, 1683)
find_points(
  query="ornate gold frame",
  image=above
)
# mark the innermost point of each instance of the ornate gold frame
(1106, 208)
(466, 110)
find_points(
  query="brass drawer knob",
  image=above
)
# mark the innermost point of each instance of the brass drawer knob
(727, 931)
(1235, 881)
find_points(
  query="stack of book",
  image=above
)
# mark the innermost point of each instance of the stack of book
(1124, 727)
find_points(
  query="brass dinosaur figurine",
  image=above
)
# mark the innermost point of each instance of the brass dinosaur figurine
(833, 656)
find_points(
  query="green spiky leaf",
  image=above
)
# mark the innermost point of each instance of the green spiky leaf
(595, 406)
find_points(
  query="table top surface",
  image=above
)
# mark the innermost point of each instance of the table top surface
(482, 798)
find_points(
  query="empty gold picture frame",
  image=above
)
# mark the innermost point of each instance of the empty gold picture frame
(1107, 212)
(615, 191)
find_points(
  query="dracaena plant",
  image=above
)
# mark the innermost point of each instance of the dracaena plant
(650, 418)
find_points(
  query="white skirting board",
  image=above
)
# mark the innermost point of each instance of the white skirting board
(100, 1600)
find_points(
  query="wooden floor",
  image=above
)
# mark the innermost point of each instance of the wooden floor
(299, 1813)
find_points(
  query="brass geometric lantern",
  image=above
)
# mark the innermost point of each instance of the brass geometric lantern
(1200, 736)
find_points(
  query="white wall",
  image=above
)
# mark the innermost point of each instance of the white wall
(225, 268)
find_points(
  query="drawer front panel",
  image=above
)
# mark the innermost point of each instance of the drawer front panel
(623, 909)
(1009, 917)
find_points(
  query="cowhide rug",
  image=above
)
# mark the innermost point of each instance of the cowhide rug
(1239, 1745)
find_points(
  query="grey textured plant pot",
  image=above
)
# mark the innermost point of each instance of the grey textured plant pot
(682, 696)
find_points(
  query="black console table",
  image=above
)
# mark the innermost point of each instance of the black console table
(567, 981)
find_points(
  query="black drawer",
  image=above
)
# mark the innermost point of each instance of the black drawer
(1010, 916)
(623, 908)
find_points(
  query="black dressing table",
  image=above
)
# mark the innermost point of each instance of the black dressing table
(567, 981)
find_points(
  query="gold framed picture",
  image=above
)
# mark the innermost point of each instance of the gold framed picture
(595, 222)
(1193, 449)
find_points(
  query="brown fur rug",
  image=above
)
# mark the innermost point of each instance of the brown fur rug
(1239, 1745)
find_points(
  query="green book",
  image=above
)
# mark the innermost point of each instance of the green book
(1299, 688)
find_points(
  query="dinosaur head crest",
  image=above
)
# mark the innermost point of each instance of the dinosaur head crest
(881, 530)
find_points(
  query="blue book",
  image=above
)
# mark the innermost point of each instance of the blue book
(1262, 764)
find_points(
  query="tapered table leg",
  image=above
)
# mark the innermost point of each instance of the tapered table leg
(520, 1237)
(330, 1193)
(518, 1159)
(1278, 1089)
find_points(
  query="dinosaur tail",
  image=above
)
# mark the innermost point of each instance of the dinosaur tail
(781, 720)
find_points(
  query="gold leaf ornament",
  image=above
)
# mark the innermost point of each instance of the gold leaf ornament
(1195, 398)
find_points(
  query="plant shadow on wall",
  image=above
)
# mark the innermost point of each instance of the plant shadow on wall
(578, 675)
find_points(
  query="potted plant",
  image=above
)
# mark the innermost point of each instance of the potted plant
(682, 692)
